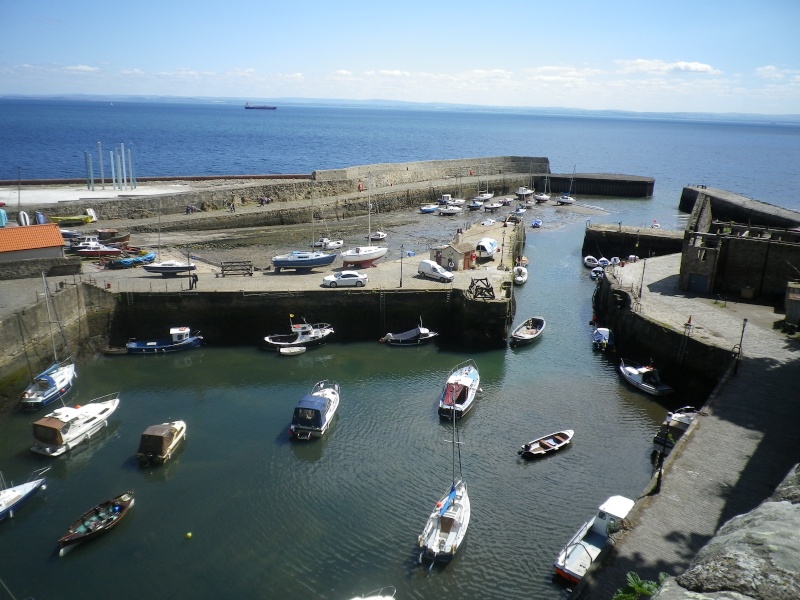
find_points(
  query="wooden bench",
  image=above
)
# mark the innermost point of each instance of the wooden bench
(235, 267)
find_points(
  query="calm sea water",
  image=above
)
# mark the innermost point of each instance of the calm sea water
(340, 516)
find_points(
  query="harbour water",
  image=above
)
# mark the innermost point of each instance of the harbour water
(340, 516)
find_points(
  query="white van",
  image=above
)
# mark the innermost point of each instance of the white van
(429, 268)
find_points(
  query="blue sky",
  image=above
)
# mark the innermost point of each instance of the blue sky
(677, 56)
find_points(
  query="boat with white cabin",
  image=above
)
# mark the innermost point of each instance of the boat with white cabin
(159, 442)
(67, 426)
(643, 377)
(181, 338)
(314, 412)
(307, 335)
(460, 388)
(585, 546)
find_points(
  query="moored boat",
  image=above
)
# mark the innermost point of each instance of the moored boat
(97, 249)
(589, 261)
(413, 337)
(447, 524)
(181, 338)
(492, 206)
(159, 442)
(460, 389)
(428, 208)
(546, 444)
(66, 427)
(308, 335)
(49, 385)
(96, 521)
(524, 193)
(314, 412)
(12, 497)
(528, 331)
(672, 428)
(602, 339)
(643, 377)
(520, 275)
(585, 546)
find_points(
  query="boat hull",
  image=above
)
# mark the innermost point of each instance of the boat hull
(59, 381)
(162, 346)
(99, 413)
(440, 545)
(528, 332)
(97, 521)
(13, 498)
(300, 263)
(460, 390)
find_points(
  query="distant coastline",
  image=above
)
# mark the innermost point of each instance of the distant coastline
(777, 120)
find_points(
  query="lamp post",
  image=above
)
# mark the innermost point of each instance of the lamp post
(739, 352)
(402, 252)
(19, 191)
(641, 284)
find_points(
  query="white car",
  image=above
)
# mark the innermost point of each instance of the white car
(344, 278)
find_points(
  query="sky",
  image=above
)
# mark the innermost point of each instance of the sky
(731, 56)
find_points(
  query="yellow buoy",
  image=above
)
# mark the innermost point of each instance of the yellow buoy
(189, 535)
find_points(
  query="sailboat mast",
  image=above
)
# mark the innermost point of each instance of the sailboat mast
(49, 316)
(369, 206)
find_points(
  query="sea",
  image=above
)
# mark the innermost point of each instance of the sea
(243, 512)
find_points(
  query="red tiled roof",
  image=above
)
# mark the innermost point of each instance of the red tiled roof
(31, 237)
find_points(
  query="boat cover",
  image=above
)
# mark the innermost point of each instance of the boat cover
(48, 430)
(309, 411)
(448, 500)
(157, 439)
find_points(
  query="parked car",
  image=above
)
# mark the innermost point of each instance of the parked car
(344, 278)
(429, 268)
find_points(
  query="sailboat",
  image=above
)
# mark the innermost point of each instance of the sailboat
(544, 195)
(167, 268)
(447, 525)
(56, 380)
(566, 198)
(304, 260)
(363, 256)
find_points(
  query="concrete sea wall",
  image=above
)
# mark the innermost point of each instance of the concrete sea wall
(727, 206)
(622, 241)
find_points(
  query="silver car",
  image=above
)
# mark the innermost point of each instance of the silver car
(345, 278)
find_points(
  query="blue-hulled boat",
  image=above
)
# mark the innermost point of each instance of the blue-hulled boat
(49, 385)
(302, 260)
(13, 497)
(181, 338)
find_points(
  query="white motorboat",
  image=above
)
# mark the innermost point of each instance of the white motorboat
(447, 524)
(428, 208)
(597, 273)
(528, 331)
(672, 428)
(524, 193)
(291, 350)
(159, 442)
(314, 412)
(585, 546)
(66, 427)
(520, 275)
(486, 247)
(307, 335)
(602, 339)
(492, 206)
(484, 196)
(13, 497)
(377, 236)
(328, 244)
(589, 261)
(460, 388)
(644, 377)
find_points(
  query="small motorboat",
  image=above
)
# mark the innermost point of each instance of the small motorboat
(520, 275)
(181, 338)
(537, 223)
(528, 331)
(506, 201)
(492, 206)
(565, 199)
(603, 262)
(475, 204)
(484, 196)
(460, 389)
(589, 261)
(377, 236)
(645, 378)
(96, 521)
(672, 429)
(520, 210)
(597, 273)
(314, 412)
(98, 249)
(66, 427)
(486, 247)
(426, 209)
(13, 497)
(524, 193)
(585, 546)
(448, 210)
(602, 339)
(546, 444)
(307, 335)
(328, 244)
(413, 337)
(159, 442)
